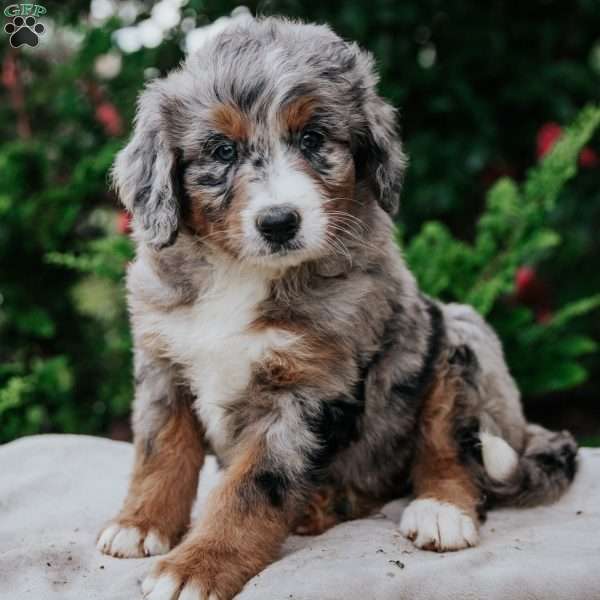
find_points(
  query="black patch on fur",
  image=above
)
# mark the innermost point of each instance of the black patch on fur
(179, 169)
(247, 97)
(319, 162)
(367, 154)
(274, 486)
(142, 195)
(462, 356)
(416, 385)
(360, 155)
(467, 439)
(336, 426)
(296, 91)
(569, 457)
(388, 339)
(211, 180)
(227, 196)
(556, 461)
(171, 240)
(465, 364)
(367, 365)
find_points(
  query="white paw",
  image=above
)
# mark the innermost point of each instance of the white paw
(434, 525)
(130, 542)
(166, 587)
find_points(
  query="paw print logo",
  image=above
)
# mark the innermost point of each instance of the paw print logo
(24, 31)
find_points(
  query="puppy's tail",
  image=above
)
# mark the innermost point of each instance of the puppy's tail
(537, 476)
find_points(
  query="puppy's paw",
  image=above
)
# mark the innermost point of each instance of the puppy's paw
(195, 572)
(439, 526)
(168, 587)
(131, 542)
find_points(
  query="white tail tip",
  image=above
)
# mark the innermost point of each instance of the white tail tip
(499, 459)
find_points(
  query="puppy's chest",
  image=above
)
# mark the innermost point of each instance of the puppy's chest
(214, 343)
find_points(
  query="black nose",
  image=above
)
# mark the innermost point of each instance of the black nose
(278, 224)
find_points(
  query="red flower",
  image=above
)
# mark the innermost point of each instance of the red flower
(525, 280)
(588, 158)
(9, 71)
(533, 292)
(123, 222)
(108, 116)
(543, 315)
(546, 138)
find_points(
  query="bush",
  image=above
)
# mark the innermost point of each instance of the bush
(475, 84)
(514, 229)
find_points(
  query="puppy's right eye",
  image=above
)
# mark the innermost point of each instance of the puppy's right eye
(311, 140)
(225, 152)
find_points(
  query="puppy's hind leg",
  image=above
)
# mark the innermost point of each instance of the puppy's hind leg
(168, 456)
(443, 515)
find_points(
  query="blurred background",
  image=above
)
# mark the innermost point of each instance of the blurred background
(499, 208)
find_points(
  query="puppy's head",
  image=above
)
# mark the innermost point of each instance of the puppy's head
(269, 144)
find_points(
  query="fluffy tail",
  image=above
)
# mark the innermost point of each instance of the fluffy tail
(537, 476)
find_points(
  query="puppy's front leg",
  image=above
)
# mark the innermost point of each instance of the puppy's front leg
(240, 532)
(443, 515)
(168, 456)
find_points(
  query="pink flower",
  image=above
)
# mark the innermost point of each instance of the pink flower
(108, 116)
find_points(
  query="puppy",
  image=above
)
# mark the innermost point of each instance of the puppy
(276, 325)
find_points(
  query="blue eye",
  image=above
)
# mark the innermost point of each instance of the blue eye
(225, 152)
(311, 141)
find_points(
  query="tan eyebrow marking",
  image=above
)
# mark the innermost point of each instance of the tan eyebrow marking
(231, 122)
(297, 113)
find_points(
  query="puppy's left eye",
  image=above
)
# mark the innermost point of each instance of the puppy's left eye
(225, 152)
(311, 141)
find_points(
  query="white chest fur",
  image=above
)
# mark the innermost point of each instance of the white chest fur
(211, 339)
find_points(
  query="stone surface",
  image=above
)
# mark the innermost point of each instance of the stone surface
(56, 492)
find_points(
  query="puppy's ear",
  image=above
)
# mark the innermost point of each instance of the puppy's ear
(144, 175)
(379, 155)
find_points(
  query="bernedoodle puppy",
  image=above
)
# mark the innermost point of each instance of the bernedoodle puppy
(276, 324)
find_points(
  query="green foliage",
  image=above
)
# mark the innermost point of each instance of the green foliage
(64, 339)
(103, 257)
(21, 412)
(513, 230)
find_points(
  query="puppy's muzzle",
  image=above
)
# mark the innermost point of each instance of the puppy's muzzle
(278, 224)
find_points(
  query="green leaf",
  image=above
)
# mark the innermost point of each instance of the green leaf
(562, 376)
(12, 394)
(576, 345)
(35, 321)
(545, 181)
(574, 310)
